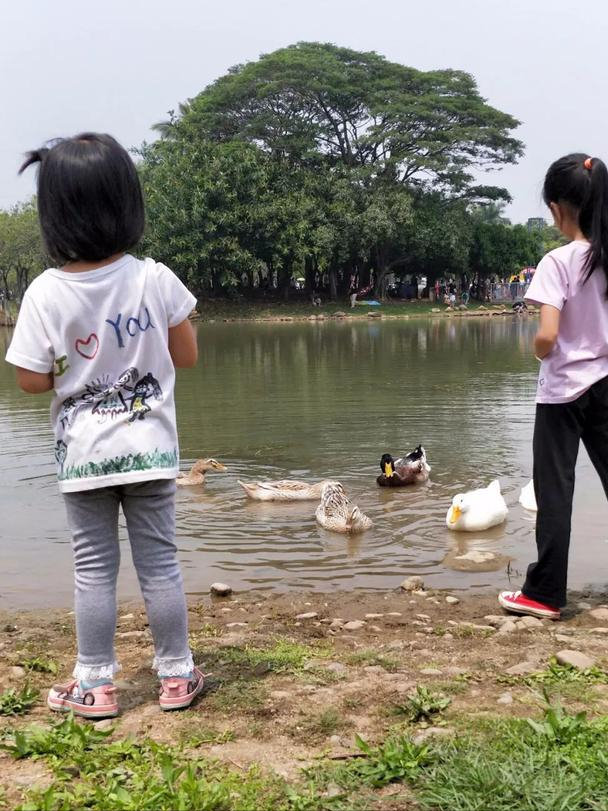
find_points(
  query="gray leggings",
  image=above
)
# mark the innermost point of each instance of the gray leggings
(149, 510)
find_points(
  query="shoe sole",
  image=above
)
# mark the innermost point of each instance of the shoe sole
(187, 702)
(62, 706)
(532, 612)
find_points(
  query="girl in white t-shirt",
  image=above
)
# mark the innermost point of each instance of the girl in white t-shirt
(104, 331)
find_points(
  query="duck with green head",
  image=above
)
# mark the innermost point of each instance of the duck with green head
(410, 469)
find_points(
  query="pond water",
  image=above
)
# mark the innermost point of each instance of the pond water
(317, 400)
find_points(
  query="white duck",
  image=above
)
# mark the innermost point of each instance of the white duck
(337, 513)
(527, 498)
(285, 490)
(477, 510)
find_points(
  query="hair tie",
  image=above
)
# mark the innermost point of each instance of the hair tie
(588, 164)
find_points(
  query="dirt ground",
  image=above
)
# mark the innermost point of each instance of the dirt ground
(284, 688)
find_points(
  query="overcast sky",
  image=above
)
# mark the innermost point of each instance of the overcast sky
(119, 65)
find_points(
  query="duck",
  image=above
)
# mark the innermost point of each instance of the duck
(284, 490)
(477, 510)
(337, 513)
(527, 499)
(197, 472)
(410, 469)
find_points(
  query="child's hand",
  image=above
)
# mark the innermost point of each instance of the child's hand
(34, 382)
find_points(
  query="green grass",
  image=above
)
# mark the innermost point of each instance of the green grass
(18, 702)
(282, 656)
(372, 658)
(319, 727)
(90, 772)
(423, 705)
(556, 675)
(557, 761)
(39, 664)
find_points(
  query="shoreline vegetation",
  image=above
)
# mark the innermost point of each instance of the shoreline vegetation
(219, 310)
(216, 311)
(404, 699)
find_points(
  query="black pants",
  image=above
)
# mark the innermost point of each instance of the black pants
(557, 433)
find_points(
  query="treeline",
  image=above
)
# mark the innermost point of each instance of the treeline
(322, 165)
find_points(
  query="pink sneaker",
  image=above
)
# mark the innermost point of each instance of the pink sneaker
(97, 702)
(518, 603)
(177, 693)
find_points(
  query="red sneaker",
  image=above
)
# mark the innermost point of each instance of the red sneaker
(518, 603)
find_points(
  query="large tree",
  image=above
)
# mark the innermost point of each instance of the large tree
(351, 151)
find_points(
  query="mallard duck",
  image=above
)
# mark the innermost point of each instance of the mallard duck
(527, 499)
(197, 472)
(477, 510)
(285, 490)
(408, 469)
(337, 513)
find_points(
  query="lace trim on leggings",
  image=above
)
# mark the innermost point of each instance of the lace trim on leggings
(173, 667)
(95, 672)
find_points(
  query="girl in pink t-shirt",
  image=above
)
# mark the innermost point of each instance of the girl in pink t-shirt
(571, 287)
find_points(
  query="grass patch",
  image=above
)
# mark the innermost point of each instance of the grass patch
(18, 702)
(39, 664)
(556, 675)
(242, 696)
(423, 705)
(313, 728)
(282, 656)
(372, 658)
(89, 772)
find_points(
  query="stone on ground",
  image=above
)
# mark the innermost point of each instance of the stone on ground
(414, 583)
(599, 614)
(221, 589)
(309, 615)
(353, 625)
(574, 658)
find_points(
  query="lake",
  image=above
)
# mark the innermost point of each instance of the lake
(319, 400)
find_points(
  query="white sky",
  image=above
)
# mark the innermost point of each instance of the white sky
(119, 65)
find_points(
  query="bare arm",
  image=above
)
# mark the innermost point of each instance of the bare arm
(547, 331)
(182, 345)
(34, 382)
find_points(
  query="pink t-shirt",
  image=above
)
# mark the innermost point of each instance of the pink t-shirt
(580, 356)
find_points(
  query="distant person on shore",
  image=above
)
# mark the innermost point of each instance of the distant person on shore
(571, 287)
(105, 331)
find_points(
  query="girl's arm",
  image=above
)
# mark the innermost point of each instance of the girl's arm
(547, 331)
(34, 382)
(182, 345)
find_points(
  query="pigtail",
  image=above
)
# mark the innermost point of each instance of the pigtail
(593, 216)
(35, 156)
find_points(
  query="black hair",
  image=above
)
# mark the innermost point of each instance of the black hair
(90, 202)
(582, 182)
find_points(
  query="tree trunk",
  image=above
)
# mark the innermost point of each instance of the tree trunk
(333, 284)
(309, 274)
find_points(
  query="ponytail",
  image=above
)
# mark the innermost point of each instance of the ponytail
(593, 218)
(35, 156)
(582, 183)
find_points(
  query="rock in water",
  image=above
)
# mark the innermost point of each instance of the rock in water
(221, 589)
(414, 583)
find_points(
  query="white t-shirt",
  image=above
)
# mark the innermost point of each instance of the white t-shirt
(104, 334)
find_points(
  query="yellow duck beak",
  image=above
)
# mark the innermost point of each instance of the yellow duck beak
(388, 470)
(455, 513)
